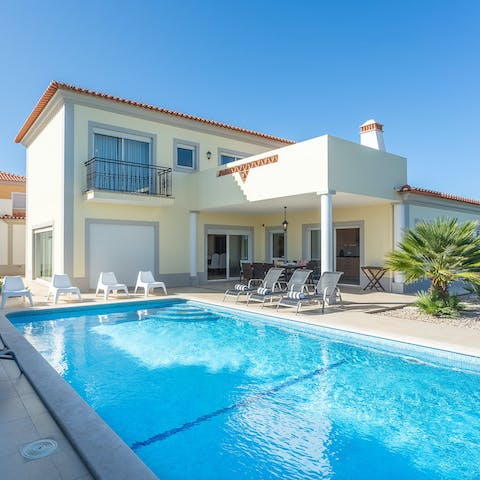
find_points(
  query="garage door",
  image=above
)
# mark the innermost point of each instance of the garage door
(123, 249)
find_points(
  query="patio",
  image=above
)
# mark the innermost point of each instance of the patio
(25, 418)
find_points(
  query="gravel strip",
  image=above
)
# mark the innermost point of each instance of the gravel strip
(468, 318)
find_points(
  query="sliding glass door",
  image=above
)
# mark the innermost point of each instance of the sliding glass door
(225, 250)
(42, 244)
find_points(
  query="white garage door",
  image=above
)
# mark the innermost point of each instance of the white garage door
(123, 249)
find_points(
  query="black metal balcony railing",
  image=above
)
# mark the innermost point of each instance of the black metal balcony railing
(128, 177)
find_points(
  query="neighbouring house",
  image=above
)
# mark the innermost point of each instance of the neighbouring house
(12, 224)
(118, 185)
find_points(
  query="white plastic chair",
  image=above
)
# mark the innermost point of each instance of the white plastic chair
(14, 287)
(61, 284)
(108, 283)
(222, 261)
(215, 262)
(146, 281)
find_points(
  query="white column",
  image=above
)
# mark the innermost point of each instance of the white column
(399, 224)
(193, 247)
(326, 225)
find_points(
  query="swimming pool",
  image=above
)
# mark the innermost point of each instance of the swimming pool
(201, 392)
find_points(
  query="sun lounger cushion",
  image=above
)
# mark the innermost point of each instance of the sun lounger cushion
(264, 291)
(296, 295)
(241, 287)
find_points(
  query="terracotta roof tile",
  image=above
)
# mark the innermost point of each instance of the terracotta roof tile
(433, 193)
(54, 86)
(12, 177)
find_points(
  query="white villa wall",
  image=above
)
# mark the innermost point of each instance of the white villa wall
(18, 244)
(4, 243)
(363, 170)
(5, 206)
(301, 168)
(45, 200)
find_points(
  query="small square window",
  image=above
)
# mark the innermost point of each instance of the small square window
(185, 156)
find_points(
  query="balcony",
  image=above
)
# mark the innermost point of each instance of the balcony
(115, 181)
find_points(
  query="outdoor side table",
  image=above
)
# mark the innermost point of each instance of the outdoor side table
(374, 275)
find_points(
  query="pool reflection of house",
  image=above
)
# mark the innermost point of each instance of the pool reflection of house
(118, 185)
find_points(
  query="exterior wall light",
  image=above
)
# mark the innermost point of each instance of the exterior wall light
(285, 223)
(209, 155)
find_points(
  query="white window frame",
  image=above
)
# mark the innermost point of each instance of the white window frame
(186, 145)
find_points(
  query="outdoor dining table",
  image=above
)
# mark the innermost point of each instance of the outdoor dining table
(289, 269)
(374, 275)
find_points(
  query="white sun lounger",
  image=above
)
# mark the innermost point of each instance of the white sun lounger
(107, 282)
(146, 281)
(61, 285)
(13, 287)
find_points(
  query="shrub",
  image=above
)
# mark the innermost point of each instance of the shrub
(433, 304)
(441, 251)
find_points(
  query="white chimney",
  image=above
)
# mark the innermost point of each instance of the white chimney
(371, 135)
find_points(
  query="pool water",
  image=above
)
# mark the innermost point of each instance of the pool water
(206, 393)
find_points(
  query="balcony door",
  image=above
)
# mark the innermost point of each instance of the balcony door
(122, 162)
(225, 250)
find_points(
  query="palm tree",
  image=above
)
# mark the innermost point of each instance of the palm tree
(441, 251)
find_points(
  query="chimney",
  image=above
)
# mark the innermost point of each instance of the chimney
(371, 135)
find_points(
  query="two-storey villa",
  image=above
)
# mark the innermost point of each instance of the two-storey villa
(119, 185)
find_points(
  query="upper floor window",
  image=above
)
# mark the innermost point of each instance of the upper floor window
(227, 156)
(19, 201)
(122, 162)
(186, 155)
(127, 148)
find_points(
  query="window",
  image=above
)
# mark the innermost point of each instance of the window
(19, 201)
(121, 162)
(314, 244)
(226, 158)
(42, 244)
(186, 156)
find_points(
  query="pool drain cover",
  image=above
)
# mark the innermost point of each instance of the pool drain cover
(39, 449)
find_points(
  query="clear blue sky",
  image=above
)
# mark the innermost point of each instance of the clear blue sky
(296, 69)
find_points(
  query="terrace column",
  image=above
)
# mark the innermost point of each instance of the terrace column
(193, 248)
(326, 229)
(399, 225)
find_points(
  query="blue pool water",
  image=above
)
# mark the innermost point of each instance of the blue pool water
(206, 393)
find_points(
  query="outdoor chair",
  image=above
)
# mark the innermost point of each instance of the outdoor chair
(269, 282)
(61, 285)
(222, 261)
(108, 283)
(295, 284)
(326, 291)
(214, 262)
(146, 281)
(13, 287)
